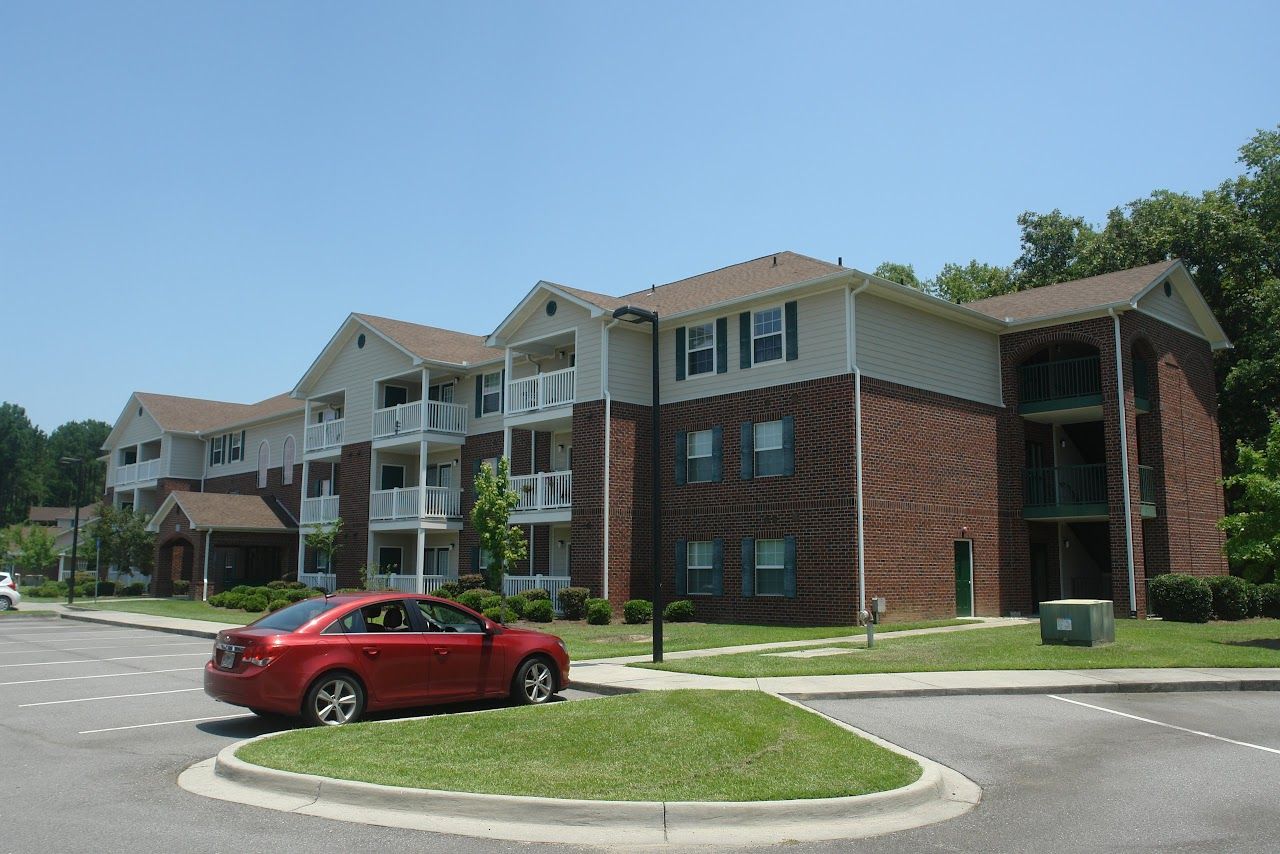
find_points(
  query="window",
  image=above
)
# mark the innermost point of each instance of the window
(442, 392)
(394, 395)
(392, 477)
(322, 562)
(492, 395)
(701, 463)
(445, 618)
(287, 461)
(264, 463)
(390, 559)
(771, 567)
(701, 349)
(236, 452)
(766, 335)
(770, 459)
(216, 445)
(701, 567)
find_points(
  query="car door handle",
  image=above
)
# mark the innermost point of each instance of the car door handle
(372, 651)
(440, 650)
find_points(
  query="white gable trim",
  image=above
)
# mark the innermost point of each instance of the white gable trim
(518, 314)
(1180, 278)
(330, 352)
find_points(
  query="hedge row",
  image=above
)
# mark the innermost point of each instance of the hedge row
(1191, 599)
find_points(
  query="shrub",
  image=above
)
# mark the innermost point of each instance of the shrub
(276, 604)
(181, 587)
(494, 601)
(1181, 598)
(1253, 594)
(254, 603)
(29, 590)
(518, 604)
(471, 581)
(242, 589)
(498, 615)
(539, 611)
(679, 611)
(52, 589)
(474, 598)
(1230, 597)
(294, 585)
(137, 588)
(275, 585)
(232, 599)
(298, 595)
(448, 590)
(218, 600)
(637, 611)
(1269, 600)
(573, 602)
(534, 594)
(599, 612)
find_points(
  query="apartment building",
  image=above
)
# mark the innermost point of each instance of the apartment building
(827, 436)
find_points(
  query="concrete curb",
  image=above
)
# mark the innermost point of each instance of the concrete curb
(939, 794)
(173, 630)
(1100, 688)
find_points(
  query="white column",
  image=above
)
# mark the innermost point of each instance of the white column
(422, 546)
(506, 444)
(506, 378)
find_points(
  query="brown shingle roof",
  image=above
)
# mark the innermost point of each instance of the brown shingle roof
(1079, 295)
(433, 343)
(242, 512)
(49, 514)
(194, 415)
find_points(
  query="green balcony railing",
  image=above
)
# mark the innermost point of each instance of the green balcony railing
(1147, 484)
(1061, 384)
(1065, 491)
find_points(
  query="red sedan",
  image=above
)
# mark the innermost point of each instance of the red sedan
(330, 659)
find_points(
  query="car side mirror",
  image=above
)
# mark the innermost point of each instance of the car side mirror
(488, 627)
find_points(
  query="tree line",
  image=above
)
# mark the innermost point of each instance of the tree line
(30, 473)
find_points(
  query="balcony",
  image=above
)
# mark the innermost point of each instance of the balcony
(553, 584)
(541, 392)
(323, 437)
(322, 510)
(1062, 391)
(397, 505)
(133, 473)
(1065, 493)
(410, 419)
(407, 583)
(546, 491)
(1147, 491)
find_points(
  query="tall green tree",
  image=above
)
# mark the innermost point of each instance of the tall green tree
(123, 539)
(325, 540)
(1253, 530)
(1052, 245)
(82, 439)
(972, 281)
(903, 274)
(503, 542)
(21, 455)
(32, 546)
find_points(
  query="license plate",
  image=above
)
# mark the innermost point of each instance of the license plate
(227, 659)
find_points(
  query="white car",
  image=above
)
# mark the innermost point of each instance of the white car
(9, 595)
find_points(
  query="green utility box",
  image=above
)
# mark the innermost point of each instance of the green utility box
(1078, 622)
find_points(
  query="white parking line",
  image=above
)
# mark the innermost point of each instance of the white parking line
(108, 697)
(163, 723)
(78, 635)
(96, 660)
(101, 676)
(127, 646)
(1167, 726)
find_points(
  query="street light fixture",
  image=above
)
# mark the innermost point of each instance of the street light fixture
(78, 464)
(635, 314)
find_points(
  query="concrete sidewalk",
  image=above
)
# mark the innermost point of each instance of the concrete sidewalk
(127, 619)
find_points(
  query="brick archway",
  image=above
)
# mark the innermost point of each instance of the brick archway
(176, 563)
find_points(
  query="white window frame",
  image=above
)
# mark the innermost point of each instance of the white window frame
(689, 350)
(440, 389)
(690, 456)
(780, 568)
(485, 393)
(709, 567)
(264, 463)
(781, 333)
(235, 448)
(216, 450)
(757, 448)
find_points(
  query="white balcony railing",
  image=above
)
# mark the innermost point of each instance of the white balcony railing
(407, 583)
(319, 511)
(325, 580)
(137, 472)
(541, 391)
(323, 436)
(393, 504)
(553, 584)
(546, 491)
(408, 418)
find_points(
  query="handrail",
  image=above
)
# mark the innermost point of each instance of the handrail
(1057, 486)
(541, 391)
(1060, 379)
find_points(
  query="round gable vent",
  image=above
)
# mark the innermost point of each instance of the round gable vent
(551, 307)
(1168, 288)
(360, 341)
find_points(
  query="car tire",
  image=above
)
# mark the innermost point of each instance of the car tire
(534, 682)
(334, 699)
(5, 603)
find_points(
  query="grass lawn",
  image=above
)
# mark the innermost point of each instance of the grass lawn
(1139, 643)
(182, 608)
(731, 746)
(25, 612)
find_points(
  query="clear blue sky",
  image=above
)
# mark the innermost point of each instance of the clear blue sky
(194, 195)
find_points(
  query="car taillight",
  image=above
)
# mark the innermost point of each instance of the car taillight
(260, 656)
(8, 582)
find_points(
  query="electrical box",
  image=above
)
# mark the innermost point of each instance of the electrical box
(877, 605)
(1078, 622)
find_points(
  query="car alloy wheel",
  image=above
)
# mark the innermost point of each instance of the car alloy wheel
(5, 603)
(334, 701)
(536, 682)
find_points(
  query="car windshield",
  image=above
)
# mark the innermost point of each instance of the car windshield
(297, 614)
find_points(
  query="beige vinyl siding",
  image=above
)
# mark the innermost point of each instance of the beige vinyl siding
(466, 395)
(274, 432)
(630, 377)
(914, 348)
(538, 324)
(137, 430)
(358, 370)
(186, 456)
(569, 319)
(821, 352)
(1171, 309)
(586, 380)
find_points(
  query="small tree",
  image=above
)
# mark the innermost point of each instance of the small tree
(1253, 533)
(34, 547)
(324, 540)
(503, 542)
(123, 539)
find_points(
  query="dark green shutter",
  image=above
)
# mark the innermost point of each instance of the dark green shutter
(748, 567)
(475, 558)
(211, 443)
(242, 448)
(788, 444)
(748, 450)
(479, 395)
(793, 339)
(682, 567)
(722, 344)
(789, 571)
(682, 457)
(717, 453)
(717, 567)
(680, 353)
(744, 340)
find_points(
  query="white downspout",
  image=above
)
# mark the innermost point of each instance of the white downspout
(1124, 466)
(851, 343)
(608, 409)
(208, 545)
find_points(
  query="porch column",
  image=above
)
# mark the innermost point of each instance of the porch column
(422, 547)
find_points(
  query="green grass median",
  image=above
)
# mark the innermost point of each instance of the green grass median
(1139, 643)
(671, 745)
(181, 608)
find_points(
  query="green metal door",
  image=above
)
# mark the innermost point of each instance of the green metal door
(964, 578)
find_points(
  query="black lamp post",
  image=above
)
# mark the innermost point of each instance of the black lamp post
(75, 525)
(632, 314)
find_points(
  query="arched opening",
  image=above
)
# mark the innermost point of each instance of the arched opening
(176, 563)
(286, 465)
(264, 463)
